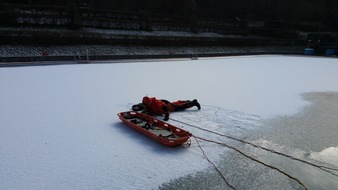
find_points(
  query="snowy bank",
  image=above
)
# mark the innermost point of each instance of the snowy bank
(92, 53)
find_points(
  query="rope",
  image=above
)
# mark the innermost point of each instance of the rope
(206, 157)
(254, 159)
(323, 168)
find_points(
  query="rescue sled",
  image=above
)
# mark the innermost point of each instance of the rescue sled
(158, 130)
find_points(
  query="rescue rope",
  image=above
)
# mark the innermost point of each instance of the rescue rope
(206, 157)
(254, 159)
(323, 168)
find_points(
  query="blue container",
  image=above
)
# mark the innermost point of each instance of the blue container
(308, 51)
(330, 52)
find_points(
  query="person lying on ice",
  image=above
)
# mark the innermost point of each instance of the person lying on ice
(159, 107)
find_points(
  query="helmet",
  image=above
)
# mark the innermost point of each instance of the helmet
(146, 100)
(138, 107)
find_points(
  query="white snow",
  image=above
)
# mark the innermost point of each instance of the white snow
(329, 155)
(59, 128)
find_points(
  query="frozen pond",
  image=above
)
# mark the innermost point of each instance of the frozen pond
(59, 127)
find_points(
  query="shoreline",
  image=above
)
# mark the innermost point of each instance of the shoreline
(11, 55)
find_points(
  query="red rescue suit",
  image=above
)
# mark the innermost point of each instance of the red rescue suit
(159, 107)
(156, 106)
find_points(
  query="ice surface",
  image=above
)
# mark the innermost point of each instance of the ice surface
(59, 128)
(329, 155)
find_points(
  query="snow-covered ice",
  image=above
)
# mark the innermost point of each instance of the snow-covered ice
(59, 128)
(327, 155)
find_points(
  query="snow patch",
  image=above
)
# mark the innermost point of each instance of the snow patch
(329, 155)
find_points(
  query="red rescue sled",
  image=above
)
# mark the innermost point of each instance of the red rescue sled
(158, 130)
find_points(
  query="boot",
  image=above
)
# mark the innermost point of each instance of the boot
(195, 103)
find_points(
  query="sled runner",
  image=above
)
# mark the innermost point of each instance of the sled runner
(158, 130)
